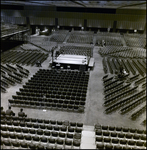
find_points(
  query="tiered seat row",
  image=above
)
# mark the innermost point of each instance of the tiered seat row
(12, 29)
(24, 58)
(120, 95)
(29, 47)
(134, 53)
(135, 40)
(86, 38)
(77, 50)
(20, 133)
(114, 137)
(11, 76)
(113, 49)
(138, 113)
(133, 105)
(109, 40)
(123, 102)
(65, 90)
(58, 37)
(131, 66)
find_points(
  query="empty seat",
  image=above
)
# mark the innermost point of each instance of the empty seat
(28, 137)
(129, 136)
(106, 139)
(35, 125)
(143, 137)
(130, 142)
(108, 146)
(76, 143)
(105, 133)
(121, 135)
(40, 146)
(79, 124)
(136, 136)
(36, 138)
(118, 128)
(31, 146)
(61, 134)
(98, 132)
(117, 147)
(113, 134)
(43, 139)
(99, 139)
(51, 140)
(111, 128)
(104, 127)
(70, 129)
(56, 128)
(54, 133)
(40, 132)
(23, 145)
(125, 129)
(123, 141)
(15, 143)
(115, 141)
(63, 128)
(47, 133)
(100, 146)
(139, 143)
(60, 141)
(132, 130)
(69, 135)
(25, 130)
(32, 131)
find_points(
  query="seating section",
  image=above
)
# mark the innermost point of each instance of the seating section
(24, 58)
(52, 89)
(7, 29)
(135, 40)
(34, 133)
(134, 66)
(113, 49)
(80, 37)
(124, 96)
(137, 53)
(109, 40)
(29, 47)
(138, 112)
(77, 50)
(59, 36)
(10, 75)
(115, 137)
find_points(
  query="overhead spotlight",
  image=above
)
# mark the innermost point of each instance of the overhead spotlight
(82, 28)
(135, 30)
(58, 26)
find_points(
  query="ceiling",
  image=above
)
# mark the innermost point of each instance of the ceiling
(73, 3)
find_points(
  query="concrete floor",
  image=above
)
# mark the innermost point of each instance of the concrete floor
(94, 111)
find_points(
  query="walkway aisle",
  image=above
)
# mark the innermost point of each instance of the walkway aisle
(88, 138)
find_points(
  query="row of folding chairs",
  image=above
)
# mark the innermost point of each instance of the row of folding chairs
(140, 69)
(125, 101)
(52, 143)
(118, 96)
(113, 49)
(133, 105)
(25, 58)
(138, 113)
(58, 37)
(79, 107)
(64, 123)
(80, 39)
(55, 85)
(52, 89)
(129, 54)
(120, 90)
(67, 96)
(139, 81)
(99, 128)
